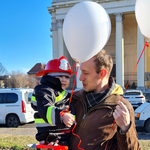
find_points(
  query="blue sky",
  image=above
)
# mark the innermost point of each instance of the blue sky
(24, 34)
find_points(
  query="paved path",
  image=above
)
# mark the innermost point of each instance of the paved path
(32, 131)
(143, 136)
(18, 131)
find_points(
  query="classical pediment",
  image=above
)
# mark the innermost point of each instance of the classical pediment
(61, 7)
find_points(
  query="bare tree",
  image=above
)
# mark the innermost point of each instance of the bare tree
(32, 81)
(18, 79)
(2, 70)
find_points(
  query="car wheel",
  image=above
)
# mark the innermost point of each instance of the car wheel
(147, 126)
(12, 121)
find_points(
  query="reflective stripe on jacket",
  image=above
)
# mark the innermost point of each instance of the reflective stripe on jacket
(48, 100)
(39, 122)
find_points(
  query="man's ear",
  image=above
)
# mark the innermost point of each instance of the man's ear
(103, 73)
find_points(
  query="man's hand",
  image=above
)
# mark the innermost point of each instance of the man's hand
(68, 119)
(122, 117)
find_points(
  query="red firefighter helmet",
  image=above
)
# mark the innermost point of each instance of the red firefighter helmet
(57, 65)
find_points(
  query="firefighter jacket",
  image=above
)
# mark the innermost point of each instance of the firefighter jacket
(48, 101)
(95, 126)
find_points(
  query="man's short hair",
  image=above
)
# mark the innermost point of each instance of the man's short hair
(103, 61)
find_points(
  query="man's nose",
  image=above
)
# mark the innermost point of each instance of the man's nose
(81, 77)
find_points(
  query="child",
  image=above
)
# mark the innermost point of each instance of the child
(50, 99)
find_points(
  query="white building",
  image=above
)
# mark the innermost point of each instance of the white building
(125, 43)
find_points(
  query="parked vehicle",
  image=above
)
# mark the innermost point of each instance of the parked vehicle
(135, 97)
(15, 106)
(147, 96)
(142, 116)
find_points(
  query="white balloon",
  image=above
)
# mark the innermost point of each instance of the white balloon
(142, 13)
(86, 30)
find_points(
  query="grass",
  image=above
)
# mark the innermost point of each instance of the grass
(145, 144)
(19, 142)
(16, 142)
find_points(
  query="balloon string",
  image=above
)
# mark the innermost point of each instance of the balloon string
(146, 45)
(77, 136)
(73, 85)
(74, 66)
(62, 112)
(70, 103)
(109, 134)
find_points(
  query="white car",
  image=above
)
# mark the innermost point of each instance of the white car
(142, 116)
(147, 96)
(135, 97)
(15, 106)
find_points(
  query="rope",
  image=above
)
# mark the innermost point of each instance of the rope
(146, 45)
(62, 112)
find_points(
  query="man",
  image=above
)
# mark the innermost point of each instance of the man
(98, 105)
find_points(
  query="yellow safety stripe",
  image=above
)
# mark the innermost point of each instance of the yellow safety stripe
(39, 120)
(58, 98)
(33, 98)
(48, 115)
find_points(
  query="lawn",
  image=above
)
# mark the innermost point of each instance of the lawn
(145, 144)
(16, 142)
(19, 142)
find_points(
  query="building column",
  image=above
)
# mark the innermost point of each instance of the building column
(54, 39)
(60, 44)
(140, 66)
(119, 50)
(78, 82)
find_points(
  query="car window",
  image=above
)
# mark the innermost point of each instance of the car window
(132, 93)
(28, 96)
(147, 95)
(11, 98)
(2, 97)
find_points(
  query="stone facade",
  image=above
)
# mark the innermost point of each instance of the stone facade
(125, 43)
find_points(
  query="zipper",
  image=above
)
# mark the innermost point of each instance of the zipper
(83, 117)
(92, 109)
(84, 122)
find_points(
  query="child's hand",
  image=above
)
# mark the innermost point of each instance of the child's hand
(68, 119)
(51, 143)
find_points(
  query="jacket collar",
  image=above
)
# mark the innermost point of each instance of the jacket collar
(113, 89)
(94, 98)
(52, 82)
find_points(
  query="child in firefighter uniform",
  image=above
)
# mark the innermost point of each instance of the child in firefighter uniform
(50, 99)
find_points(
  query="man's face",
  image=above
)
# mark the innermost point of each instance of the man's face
(90, 79)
